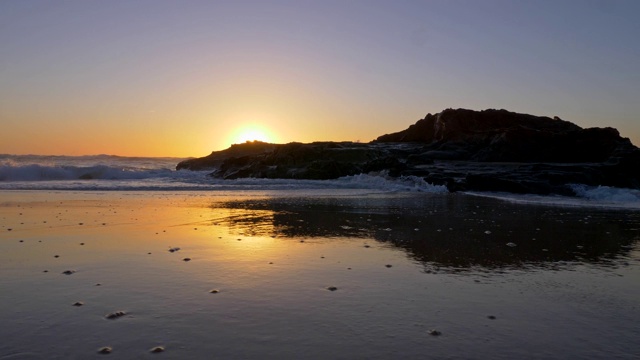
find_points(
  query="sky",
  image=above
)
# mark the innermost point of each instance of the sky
(184, 78)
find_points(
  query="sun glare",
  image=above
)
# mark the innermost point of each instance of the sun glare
(251, 133)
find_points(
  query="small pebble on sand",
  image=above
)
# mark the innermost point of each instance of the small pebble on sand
(68, 272)
(105, 350)
(78, 303)
(214, 291)
(434, 332)
(332, 288)
(388, 265)
(186, 259)
(115, 315)
(491, 317)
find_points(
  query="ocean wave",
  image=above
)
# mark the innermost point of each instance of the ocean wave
(36, 172)
(382, 180)
(114, 178)
(114, 173)
(586, 196)
(606, 193)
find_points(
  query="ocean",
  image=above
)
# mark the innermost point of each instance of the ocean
(118, 173)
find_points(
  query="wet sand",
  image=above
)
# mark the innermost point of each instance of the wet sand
(278, 275)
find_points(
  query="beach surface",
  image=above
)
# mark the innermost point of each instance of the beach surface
(314, 275)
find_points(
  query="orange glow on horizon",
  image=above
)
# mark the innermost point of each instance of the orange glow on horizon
(251, 132)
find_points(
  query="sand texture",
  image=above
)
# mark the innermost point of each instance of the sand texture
(259, 275)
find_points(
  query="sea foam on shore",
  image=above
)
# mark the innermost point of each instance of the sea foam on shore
(114, 173)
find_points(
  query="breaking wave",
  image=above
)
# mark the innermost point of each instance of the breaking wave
(105, 172)
(606, 193)
(35, 172)
(114, 173)
(586, 196)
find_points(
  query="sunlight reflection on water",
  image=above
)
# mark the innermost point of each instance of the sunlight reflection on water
(498, 280)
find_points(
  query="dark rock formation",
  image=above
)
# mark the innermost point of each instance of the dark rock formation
(503, 136)
(216, 158)
(490, 150)
(320, 160)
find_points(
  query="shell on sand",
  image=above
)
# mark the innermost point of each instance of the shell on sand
(105, 350)
(157, 349)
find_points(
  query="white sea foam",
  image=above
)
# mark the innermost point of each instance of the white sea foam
(35, 172)
(606, 193)
(105, 172)
(114, 173)
(586, 196)
(382, 180)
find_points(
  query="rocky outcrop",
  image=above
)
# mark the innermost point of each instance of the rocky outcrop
(503, 136)
(490, 150)
(319, 160)
(216, 158)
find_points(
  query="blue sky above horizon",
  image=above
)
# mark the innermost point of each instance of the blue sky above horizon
(183, 78)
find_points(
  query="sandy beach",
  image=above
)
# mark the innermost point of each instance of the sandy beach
(254, 275)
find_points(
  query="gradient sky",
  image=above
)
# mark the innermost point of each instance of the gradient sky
(183, 78)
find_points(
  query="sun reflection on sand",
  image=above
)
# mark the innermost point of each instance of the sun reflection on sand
(450, 235)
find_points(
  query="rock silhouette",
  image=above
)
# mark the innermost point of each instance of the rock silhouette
(489, 150)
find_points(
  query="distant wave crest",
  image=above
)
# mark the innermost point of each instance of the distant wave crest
(36, 172)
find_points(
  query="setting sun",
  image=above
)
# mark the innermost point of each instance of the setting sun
(251, 133)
